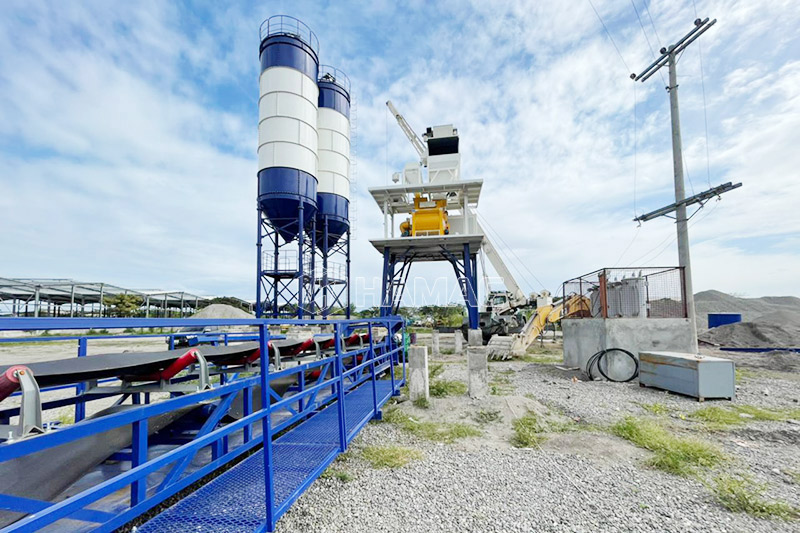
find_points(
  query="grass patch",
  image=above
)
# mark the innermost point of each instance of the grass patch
(422, 403)
(66, 418)
(435, 370)
(438, 432)
(741, 495)
(487, 416)
(527, 431)
(446, 351)
(655, 408)
(724, 417)
(446, 387)
(341, 475)
(681, 456)
(390, 456)
(795, 475)
(744, 373)
(500, 386)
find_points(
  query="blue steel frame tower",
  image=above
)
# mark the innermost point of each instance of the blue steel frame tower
(287, 163)
(442, 225)
(332, 287)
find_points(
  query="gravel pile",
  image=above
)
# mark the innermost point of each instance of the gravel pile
(475, 486)
(751, 309)
(509, 491)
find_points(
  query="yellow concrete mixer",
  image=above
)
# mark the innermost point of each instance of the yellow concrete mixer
(429, 218)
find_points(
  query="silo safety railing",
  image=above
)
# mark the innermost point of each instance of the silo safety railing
(286, 25)
(334, 75)
(276, 449)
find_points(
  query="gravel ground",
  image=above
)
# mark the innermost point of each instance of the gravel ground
(577, 481)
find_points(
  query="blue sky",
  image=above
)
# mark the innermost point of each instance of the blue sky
(128, 134)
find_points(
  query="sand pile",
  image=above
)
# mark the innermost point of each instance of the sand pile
(222, 311)
(751, 309)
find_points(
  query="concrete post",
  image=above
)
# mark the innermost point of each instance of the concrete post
(418, 373)
(478, 371)
(458, 342)
(475, 337)
(435, 350)
(274, 329)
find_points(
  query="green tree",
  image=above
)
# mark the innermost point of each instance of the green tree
(122, 305)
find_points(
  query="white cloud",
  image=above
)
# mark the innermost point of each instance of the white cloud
(122, 162)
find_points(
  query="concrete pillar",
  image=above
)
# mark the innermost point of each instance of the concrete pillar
(274, 329)
(458, 342)
(477, 371)
(475, 337)
(418, 373)
(435, 336)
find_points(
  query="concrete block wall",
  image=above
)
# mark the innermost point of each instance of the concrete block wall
(587, 336)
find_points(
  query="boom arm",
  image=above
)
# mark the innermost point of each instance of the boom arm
(419, 146)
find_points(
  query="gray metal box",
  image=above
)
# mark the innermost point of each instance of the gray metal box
(690, 374)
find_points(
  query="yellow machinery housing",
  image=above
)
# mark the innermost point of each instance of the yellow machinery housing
(429, 218)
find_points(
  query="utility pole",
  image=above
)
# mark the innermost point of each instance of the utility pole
(669, 57)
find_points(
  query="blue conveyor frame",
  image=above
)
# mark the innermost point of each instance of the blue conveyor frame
(316, 420)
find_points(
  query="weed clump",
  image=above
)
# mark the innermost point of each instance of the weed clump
(677, 455)
(390, 456)
(741, 495)
(440, 432)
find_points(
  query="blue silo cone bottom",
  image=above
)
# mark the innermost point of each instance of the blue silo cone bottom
(235, 501)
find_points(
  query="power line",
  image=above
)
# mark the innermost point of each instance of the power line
(705, 112)
(627, 69)
(647, 9)
(628, 247)
(635, 149)
(510, 249)
(646, 38)
(510, 265)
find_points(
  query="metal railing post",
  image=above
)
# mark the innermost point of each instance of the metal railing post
(139, 457)
(340, 389)
(375, 412)
(80, 388)
(392, 356)
(266, 426)
(247, 409)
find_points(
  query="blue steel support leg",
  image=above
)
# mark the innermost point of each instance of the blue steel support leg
(266, 426)
(80, 388)
(138, 457)
(386, 287)
(325, 268)
(312, 301)
(275, 282)
(347, 276)
(259, 267)
(300, 226)
(472, 304)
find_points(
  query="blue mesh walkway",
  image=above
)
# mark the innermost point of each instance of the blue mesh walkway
(236, 500)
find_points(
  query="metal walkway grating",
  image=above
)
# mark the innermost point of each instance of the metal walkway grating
(236, 500)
